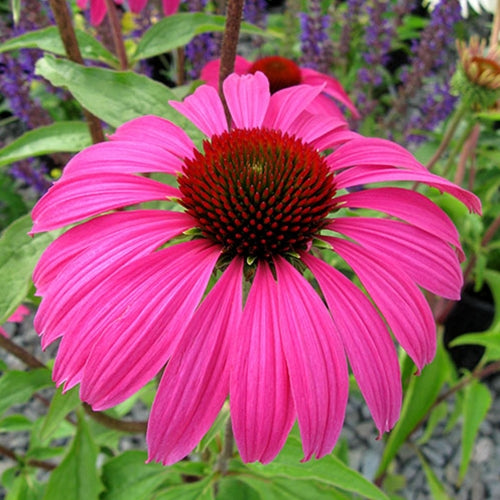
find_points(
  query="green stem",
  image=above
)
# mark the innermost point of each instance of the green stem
(448, 136)
(68, 37)
(227, 449)
(458, 147)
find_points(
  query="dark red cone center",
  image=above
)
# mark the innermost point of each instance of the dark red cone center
(258, 192)
(280, 72)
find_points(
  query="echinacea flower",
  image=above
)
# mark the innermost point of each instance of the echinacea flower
(213, 290)
(283, 73)
(16, 317)
(98, 8)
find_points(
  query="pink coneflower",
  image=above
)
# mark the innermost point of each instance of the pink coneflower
(213, 283)
(98, 8)
(283, 73)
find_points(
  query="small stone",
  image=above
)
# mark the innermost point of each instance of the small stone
(483, 450)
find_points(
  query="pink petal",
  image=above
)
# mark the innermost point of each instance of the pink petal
(196, 380)
(408, 205)
(365, 175)
(77, 262)
(313, 129)
(262, 409)
(247, 99)
(156, 131)
(398, 298)
(315, 359)
(333, 87)
(124, 158)
(18, 315)
(170, 6)
(427, 259)
(204, 109)
(74, 199)
(287, 104)
(210, 72)
(368, 344)
(149, 304)
(137, 5)
(368, 151)
(98, 11)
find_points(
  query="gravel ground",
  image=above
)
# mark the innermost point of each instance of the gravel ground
(442, 451)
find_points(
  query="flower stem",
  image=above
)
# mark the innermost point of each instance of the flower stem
(227, 449)
(68, 36)
(116, 32)
(229, 44)
(448, 136)
(33, 462)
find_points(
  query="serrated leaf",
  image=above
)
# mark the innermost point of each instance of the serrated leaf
(329, 471)
(122, 95)
(60, 405)
(420, 396)
(71, 136)
(76, 477)
(178, 30)
(128, 477)
(437, 489)
(477, 402)
(17, 387)
(199, 490)
(49, 40)
(18, 255)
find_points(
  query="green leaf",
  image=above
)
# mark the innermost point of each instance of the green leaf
(329, 471)
(438, 491)
(230, 488)
(12, 205)
(25, 488)
(16, 10)
(421, 393)
(49, 40)
(437, 414)
(178, 30)
(76, 478)
(216, 429)
(199, 490)
(288, 489)
(61, 136)
(17, 387)
(476, 405)
(128, 477)
(60, 406)
(15, 423)
(18, 255)
(122, 95)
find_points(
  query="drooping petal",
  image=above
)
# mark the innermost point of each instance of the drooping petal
(196, 379)
(210, 72)
(368, 344)
(127, 158)
(408, 205)
(74, 199)
(137, 5)
(204, 109)
(287, 104)
(262, 409)
(98, 11)
(247, 99)
(130, 324)
(89, 254)
(333, 88)
(427, 259)
(156, 131)
(315, 359)
(398, 298)
(364, 175)
(370, 151)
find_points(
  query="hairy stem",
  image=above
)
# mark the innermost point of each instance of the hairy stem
(229, 44)
(116, 32)
(68, 36)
